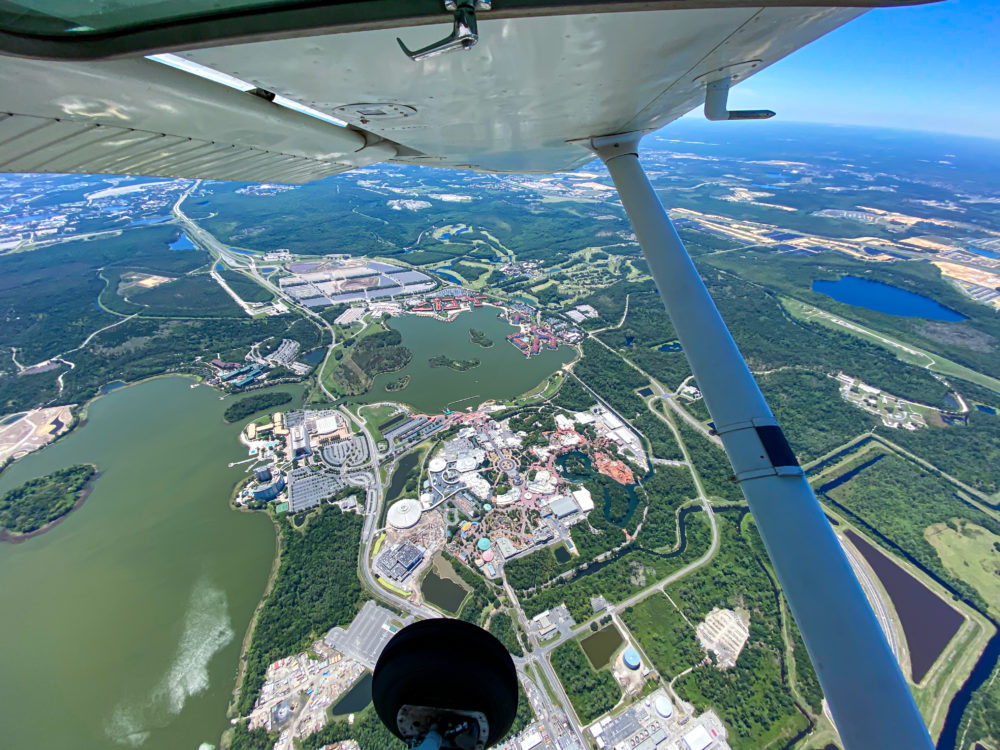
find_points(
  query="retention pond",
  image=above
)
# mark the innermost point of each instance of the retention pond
(602, 645)
(928, 621)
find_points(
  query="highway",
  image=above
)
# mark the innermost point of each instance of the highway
(874, 596)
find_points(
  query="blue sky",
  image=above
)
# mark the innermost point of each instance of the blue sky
(931, 67)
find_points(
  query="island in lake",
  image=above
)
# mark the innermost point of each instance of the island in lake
(480, 337)
(398, 384)
(461, 365)
(37, 504)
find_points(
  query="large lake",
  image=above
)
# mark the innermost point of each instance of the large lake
(122, 625)
(503, 373)
(884, 298)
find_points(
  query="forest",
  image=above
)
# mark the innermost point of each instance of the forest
(631, 571)
(54, 312)
(753, 697)
(316, 588)
(896, 500)
(246, 288)
(711, 463)
(666, 638)
(369, 356)
(668, 488)
(970, 452)
(40, 501)
(244, 407)
(972, 342)
(505, 631)
(591, 692)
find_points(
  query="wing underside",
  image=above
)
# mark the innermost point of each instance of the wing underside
(524, 99)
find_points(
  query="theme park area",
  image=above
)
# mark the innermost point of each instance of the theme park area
(495, 486)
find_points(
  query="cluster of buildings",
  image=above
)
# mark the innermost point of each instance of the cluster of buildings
(654, 724)
(329, 459)
(894, 412)
(299, 690)
(284, 356)
(341, 279)
(443, 305)
(402, 432)
(239, 375)
(399, 561)
(530, 339)
(114, 207)
(242, 376)
(581, 313)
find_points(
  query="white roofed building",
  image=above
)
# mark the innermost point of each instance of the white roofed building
(583, 499)
(697, 739)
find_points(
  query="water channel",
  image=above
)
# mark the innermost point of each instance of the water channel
(122, 625)
(503, 372)
(884, 298)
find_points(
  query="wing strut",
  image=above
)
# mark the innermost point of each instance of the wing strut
(868, 696)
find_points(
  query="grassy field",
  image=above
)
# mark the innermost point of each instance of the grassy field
(971, 553)
(375, 416)
(664, 635)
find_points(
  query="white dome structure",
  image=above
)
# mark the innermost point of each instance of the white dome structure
(404, 514)
(663, 706)
(436, 465)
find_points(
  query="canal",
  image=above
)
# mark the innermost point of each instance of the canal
(503, 372)
(122, 625)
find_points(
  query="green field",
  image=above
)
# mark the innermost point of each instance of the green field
(666, 637)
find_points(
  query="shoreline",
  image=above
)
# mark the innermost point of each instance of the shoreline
(80, 416)
(12, 537)
(252, 625)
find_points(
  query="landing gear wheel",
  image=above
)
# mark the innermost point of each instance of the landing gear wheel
(446, 674)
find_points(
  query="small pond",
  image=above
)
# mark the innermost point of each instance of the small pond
(442, 592)
(314, 357)
(183, 243)
(356, 699)
(602, 645)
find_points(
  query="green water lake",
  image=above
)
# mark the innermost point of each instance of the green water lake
(602, 645)
(122, 625)
(503, 372)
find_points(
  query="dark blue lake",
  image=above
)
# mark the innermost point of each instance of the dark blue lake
(883, 298)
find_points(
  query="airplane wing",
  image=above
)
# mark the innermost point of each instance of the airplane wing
(542, 80)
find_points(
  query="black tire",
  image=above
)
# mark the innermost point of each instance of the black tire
(450, 664)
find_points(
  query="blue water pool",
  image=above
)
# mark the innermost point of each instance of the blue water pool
(183, 243)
